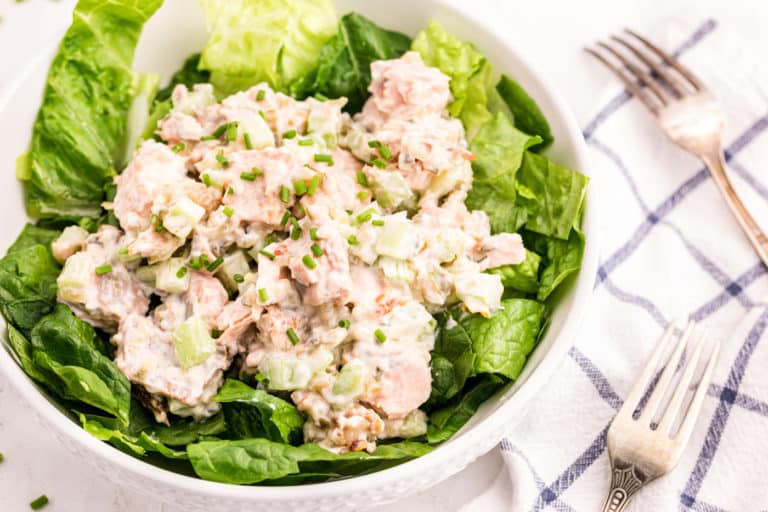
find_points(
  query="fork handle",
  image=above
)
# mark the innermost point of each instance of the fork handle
(625, 483)
(758, 239)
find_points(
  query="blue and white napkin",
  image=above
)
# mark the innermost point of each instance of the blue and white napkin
(670, 249)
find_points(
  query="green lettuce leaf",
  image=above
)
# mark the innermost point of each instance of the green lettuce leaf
(255, 413)
(86, 100)
(561, 258)
(524, 276)
(188, 74)
(34, 235)
(66, 346)
(445, 422)
(503, 341)
(559, 195)
(525, 112)
(111, 431)
(274, 41)
(27, 283)
(452, 359)
(344, 66)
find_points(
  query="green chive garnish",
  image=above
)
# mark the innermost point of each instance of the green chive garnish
(362, 179)
(263, 295)
(377, 222)
(316, 250)
(374, 143)
(103, 269)
(232, 131)
(208, 137)
(230, 191)
(328, 159)
(222, 159)
(352, 240)
(313, 233)
(266, 253)
(39, 502)
(181, 272)
(292, 336)
(285, 194)
(263, 115)
(286, 217)
(380, 336)
(306, 142)
(215, 333)
(260, 95)
(309, 262)
(123, 251)
(379, 163)
(178, 148)
(206, 179)
(290, 134)
(385, 152)
(296, 231)
(249, 176)
(313, 185)
(218, 132)
(300, 187)
(238, 278)
(159, 226)
(195, 263)
(215, 264)
(344, 324)
(2, 458)
(228, 211)
(247, 140)
(365, 216)
(362, 195)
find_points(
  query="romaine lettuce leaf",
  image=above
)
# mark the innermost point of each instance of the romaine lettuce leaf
(274, 41)
(111, 431)
(255, 413)
(448, 420)
(344, 66)
(34, 235)
(86, 101)
(524, 276)
(561, 258)
(27, 284)
(452, 359)
(525, 112)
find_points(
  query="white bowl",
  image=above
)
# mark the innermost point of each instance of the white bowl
(174, 32)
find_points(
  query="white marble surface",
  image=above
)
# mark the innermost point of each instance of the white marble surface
(554, 31)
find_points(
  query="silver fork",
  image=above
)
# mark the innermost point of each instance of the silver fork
(640, 453)
(684, 109)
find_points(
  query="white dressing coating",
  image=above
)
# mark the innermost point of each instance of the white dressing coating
(336, 238)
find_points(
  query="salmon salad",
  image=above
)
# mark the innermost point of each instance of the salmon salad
(314, 253)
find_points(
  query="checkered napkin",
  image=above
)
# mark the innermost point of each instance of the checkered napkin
(670, 249)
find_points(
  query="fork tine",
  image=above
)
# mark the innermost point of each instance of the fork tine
(638, 390)
(637, 91)
(666, 377)
(673, 409)
(682, 436)
(645, 78)
(657, 67)
(671, 61)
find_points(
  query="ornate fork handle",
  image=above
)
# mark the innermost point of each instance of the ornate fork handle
(625, 483)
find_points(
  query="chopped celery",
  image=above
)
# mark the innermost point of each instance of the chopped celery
(396, 271)
(235, 264)
(193, 342)
(183, 217)
(200, 96)
(285, 372)
(75, 278)
(445, 244)
(390, 188)
(410, 323)
(167, 276)
(325, 120)
(480, 292)
(349, 383)
(147, 275)
(357, 142)
(214, 179)
(414, 425)
(69, 242)
(399, 238)
(258, 130)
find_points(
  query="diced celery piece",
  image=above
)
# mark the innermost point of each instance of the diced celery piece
(257, 129)
(414, 425)
(325, 120)
(235, 264)
(410, 323)
(399, 238)
(146, 274)
(200, 96)
(396, 271)
(445, 244)
(357, 143)
(167, 276)
(390, 189)
(350, 381)
(480, 292)
(69, 242)
(75, 278)
(285, 372)
(193, 342)
(183, 217)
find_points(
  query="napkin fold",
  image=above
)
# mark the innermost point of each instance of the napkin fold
(670, 249)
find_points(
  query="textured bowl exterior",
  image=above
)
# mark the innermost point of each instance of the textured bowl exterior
(486, 428)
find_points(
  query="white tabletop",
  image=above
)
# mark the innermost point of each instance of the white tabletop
(553, 30)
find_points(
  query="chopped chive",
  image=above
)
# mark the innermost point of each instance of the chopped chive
(103, 269)
(286, 217)
(263, 295)
(365, 216)
(344, 324)
(238, 278)
(230, 191)
(290, 134)
(247, 140)
(385, 152)
(319, 157)
(313, 185)
(228, 211)
(352, 240)
(374, 143)
(362, 179)
(123, 251)
(296, 231)
(218, 132)
(181, 272)
(285, 194)
(39, 502)
(215, 264)
(222, 159)
(2, 458)
(292, 336)
(232, 131)
(215, 333)
(316, 250)
(206, 179)
(260, 95)
(313, 233)
(380, 336)
(208, 137)
(195, 263)
(268, 254)
(362, 195)
(263, 115)
(379, 163)
(270, 239)
(203, 259)
(249, 176)
(306, 142)
(309, 262)
(377, 222)
(178, 148)
(159, 226)
(300, 187)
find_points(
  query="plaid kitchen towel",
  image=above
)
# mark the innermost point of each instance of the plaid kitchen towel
(670, 249)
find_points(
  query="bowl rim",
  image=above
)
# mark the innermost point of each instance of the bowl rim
(493, 426)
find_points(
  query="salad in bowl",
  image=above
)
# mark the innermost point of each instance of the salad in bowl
(312, 255)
